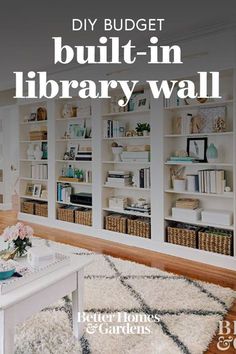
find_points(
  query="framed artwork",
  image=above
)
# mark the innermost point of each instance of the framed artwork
(29, 189)
(141, 103)
(72, 150)
(213, 119)
(32, 117)
(76, 131)
(196, 147)
(37, 190)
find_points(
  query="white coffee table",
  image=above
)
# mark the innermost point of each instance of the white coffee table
(19, 304)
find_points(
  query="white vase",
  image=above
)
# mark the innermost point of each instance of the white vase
(38, 153)
(30, 152)
(145, 133)
(116, 152)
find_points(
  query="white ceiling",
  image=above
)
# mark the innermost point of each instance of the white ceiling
(26, 27)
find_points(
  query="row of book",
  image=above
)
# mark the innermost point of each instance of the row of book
(113, 129)
(64, 191)
(142, 178)
(211, 181)
(39, 171)
(206, 181)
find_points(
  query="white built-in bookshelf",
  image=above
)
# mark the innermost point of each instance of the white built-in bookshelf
(108, 127)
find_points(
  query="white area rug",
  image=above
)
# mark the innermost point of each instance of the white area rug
(189, 312)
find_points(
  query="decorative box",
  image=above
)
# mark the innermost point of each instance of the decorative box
(40, 256)
(187, 214)
(137, 148)
(218, 217)
(118, 203)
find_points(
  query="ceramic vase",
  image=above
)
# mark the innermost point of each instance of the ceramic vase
(38, 153)
(212, 153)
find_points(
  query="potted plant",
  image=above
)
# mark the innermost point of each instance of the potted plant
(18, 237)
(143, 129)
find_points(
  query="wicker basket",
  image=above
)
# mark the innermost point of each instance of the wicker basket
(83, 217)
(66, 214)
(38, 135)
(116, 222)
(139, 227)
(41, 209)
(217, 241)
(28, 207)
(183, 236)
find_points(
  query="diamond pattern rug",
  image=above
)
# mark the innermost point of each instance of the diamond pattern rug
(184, 313)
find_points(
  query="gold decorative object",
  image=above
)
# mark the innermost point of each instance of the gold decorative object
(8, 254)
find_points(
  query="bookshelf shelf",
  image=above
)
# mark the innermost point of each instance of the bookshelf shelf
(126, 212)
(33, 141)
(73, 161)
(121, 114)
(73, 204)
(33, 198)
(72, 119)
(27, 160)
(198, 135)
(217, 164)
(82, 184)
(197, 105)
(126, 163)
(200, 223)
(229, 195)
(33, 179)
(72, 140)
(127, 188)
(34, 122)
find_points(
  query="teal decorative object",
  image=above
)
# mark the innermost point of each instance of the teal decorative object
(212, 153)
(6, 274)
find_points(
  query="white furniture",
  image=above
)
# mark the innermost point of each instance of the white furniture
(17, 305)
(161, 195)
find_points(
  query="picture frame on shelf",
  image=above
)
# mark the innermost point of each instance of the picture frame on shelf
(76, 131)
(141, 102)
(197, 147)
(32, 117)
(29, 189)
(37, 190)
(72, 150)
(41, 114)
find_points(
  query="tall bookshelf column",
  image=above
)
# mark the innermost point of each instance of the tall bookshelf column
(157, 171)
(51, 160)
(97, 165)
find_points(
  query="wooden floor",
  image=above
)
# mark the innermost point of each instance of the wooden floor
(176, 265)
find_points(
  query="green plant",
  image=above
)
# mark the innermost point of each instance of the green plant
(142, 126)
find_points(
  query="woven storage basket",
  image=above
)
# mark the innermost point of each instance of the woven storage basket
(116, 222)
(217, 241)
(41, 209)
(83, 217)
(28, 207)
(182, 236)
(139, 227)
(66, 214)
(38, 135)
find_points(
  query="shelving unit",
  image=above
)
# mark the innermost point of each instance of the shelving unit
(33, 170)
(161, 195)
(225, 143)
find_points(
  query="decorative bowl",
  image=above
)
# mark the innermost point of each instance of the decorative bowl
(5, 274)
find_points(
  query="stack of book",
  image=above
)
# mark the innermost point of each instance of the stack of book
(64, 191)
(83, 156)
(187, 203)
(113, 129)
(142, 178)
(119, 179)
(211, 181)
(187, 209)
(184, 159)
(39, 171)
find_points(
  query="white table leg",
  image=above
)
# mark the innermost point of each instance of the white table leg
(6, 334)
(78, 304)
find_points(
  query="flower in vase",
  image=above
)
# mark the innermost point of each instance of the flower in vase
(18, 236)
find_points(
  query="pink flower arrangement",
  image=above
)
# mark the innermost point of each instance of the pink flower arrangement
(19, 235)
